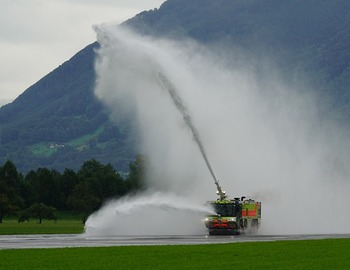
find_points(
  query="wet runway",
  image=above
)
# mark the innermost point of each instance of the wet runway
(82, 240)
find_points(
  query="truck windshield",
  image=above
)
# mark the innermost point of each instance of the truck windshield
(225, 210)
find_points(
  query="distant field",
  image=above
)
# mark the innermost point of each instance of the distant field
(49, 148)
(83, 141)
(42, 149)
(64, 225)
(315, 254)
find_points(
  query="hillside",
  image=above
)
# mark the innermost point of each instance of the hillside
(58, 122)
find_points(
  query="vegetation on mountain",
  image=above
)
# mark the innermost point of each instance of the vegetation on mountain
(59, 123)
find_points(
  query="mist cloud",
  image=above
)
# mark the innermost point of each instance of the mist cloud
(151, 213)
(265, 139)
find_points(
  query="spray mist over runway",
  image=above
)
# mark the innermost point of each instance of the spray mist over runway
(266, 139)
(151, 213)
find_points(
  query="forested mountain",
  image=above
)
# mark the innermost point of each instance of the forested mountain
(58, 123)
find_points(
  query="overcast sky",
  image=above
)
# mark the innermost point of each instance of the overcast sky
(39, 35)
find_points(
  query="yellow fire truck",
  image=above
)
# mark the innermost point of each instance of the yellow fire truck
(236, 216)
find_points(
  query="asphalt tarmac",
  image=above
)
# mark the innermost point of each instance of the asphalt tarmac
(83, 240)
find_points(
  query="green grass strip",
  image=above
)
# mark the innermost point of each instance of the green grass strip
(314, 254)
(64, 226)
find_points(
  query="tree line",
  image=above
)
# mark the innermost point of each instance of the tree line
(42, 192)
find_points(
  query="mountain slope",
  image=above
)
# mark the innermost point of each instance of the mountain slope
(59, 123)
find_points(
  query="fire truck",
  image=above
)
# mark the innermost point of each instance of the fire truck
(232, 217)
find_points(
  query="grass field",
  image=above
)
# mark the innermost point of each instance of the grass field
(48, 148)
(316, 254)
(66, 224)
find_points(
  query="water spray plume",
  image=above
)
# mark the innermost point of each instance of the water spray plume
(266, 137)
(152, 213)
(179, 104)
